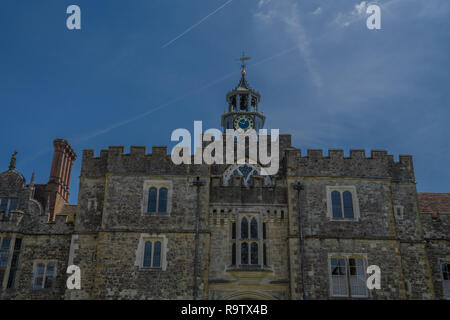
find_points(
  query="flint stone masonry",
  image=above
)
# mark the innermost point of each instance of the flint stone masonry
(104, 232)
(103, 240)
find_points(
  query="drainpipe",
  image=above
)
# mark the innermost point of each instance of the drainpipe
(198, 184)
(298, 186)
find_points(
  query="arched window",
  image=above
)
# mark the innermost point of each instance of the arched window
(147, 254)
(254, 229)
(233, 230)
(336, 204)
(152, 195)
(244, 229)
(162, 203)
(348, 205)
(157, 255)
(247, 171)
(244, 253)
(254, 253)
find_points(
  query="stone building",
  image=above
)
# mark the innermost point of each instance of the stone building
(145, 228)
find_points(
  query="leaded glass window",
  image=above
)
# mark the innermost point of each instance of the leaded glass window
(254, 253)
(343, 203)
(162, 203)
(152, 254)
(336, 202)
(348, 205)
(157, 255)
(152, 195)
(44, 275)
(244, 253)
(244, 228)
(253, 229)
(348, 278)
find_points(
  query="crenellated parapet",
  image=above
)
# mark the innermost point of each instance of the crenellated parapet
(114, 160)
(380, 164)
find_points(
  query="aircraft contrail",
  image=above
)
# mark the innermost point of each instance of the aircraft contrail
(163, 105)
(156, 108)
(196, 24)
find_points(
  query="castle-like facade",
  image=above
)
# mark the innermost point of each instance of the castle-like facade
(145, 228)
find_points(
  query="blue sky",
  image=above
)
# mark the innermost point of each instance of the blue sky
(139, 69)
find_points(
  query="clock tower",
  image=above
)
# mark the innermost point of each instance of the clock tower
(243, 106)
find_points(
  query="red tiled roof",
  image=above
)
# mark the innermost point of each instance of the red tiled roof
(434, 202)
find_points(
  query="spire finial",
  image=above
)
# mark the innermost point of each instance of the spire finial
(12, 162)
(243, 64)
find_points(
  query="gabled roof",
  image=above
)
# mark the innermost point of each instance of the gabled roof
(434, 202)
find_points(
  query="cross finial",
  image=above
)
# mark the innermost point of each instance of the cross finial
(12, 162)
(243, 64)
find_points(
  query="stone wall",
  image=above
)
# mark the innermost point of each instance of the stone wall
(40, 248)
(117, 276)
(111, 221)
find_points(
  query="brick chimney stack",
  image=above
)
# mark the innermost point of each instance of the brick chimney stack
(59, 182)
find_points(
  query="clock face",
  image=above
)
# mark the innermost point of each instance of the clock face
(243, 122)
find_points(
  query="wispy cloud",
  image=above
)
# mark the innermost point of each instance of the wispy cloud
(288, 14)
(317, 11)
(357, 13)
(196, 24)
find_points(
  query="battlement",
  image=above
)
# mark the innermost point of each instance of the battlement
(339, 154)
(119, 151)
(379, 164)
(115, 160)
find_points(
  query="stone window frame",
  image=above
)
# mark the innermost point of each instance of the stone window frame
(90, 207)
(341, 189)
(7, 252)
(15, 250)
(144, 237)
(260, 241)
(46, 263)
(347, 256)
(158, 184)
(10, 270)
(402, 210)
(440, 263)
(6, 214)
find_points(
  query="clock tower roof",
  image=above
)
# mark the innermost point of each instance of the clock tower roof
(243, 84)
(243, 103)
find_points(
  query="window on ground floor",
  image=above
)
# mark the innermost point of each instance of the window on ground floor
(347, 276)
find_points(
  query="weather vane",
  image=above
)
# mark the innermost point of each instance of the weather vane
(243, 59)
